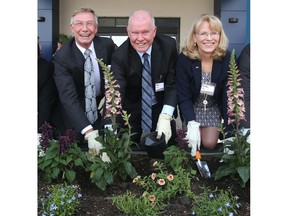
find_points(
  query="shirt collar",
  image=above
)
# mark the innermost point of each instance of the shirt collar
(82, 49)
(148, 51)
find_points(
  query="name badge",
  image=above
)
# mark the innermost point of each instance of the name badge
(208, 88)
(159, 86)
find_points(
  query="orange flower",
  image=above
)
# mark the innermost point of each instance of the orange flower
(161, 182)
(152, 198)
(170, 177)
(153, 176)
(198, 155)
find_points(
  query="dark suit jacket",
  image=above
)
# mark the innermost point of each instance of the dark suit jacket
(47, 92)
(127, 67)
(69, 78)
(244, 67)
(188, 82)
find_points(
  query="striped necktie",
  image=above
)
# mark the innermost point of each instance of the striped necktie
(147, 95)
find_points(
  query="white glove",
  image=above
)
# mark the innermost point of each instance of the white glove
(105, 157)
(193, 136)
(92, 142)
(164, 126)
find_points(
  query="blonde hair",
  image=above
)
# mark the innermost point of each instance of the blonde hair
(84, 10)
(190, 49)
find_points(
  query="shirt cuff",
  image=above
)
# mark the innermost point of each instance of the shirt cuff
(86, 129)
(168, 110)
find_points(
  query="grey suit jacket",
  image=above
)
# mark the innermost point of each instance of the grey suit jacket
(69, 78)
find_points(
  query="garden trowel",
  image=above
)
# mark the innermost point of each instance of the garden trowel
(202, 166)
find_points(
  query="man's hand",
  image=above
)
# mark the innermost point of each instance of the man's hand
(92, 142)
(164, 126)
(193, 136)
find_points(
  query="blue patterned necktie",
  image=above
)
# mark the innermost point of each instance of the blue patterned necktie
(147, 96)
(90, 89)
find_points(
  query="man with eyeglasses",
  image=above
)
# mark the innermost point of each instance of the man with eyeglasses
(70, 77)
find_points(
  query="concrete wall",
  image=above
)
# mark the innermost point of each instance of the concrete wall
(187, 10)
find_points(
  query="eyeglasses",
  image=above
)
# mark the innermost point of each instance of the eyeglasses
(81, 25)
(212, 34)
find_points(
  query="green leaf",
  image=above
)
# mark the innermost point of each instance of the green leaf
(78, 162)
(68, 159)
(128, 166)
(63, 161)
(99, 173)
(55, 173)
(50, 154)
(244, 173)
(70, 175)
(101, 184)
(44, 164)
(108, 177)
(224, 171)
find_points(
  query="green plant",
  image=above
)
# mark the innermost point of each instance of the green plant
(237, 164)
(59, 158)
(61, 200)
(146, 205)
(64, 38)
(215, 202)
(116, 141)
(176, 157)
(164, 184)
(159, 187)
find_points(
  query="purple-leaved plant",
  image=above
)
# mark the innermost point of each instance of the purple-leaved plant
(65, 141)
(47, 132)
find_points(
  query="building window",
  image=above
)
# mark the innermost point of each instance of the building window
(115, 28)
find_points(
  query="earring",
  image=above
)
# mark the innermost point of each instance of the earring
(194, 44)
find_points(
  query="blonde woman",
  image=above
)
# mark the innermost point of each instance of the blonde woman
(201, 78)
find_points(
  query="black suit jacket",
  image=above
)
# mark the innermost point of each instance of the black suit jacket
(47, 92)
(69, 78)
(127, 67)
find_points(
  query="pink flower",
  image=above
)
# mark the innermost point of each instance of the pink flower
(170, 177)
(152, 198)
(136, 179)
(161, 182)
(153, 176)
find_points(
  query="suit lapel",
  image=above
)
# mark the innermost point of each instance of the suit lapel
(78, 61)
(135, 62)
(156, 59)
(197, 73)
(216, 71)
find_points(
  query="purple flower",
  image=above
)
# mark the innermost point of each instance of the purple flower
(180, 140)
(65, 141)
(46, 135)
(236, 109)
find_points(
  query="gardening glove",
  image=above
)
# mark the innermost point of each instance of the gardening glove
(164, 126)
(92, 142)
(193, 136)
(105, 157)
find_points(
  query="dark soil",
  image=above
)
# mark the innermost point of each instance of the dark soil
(99, 203)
